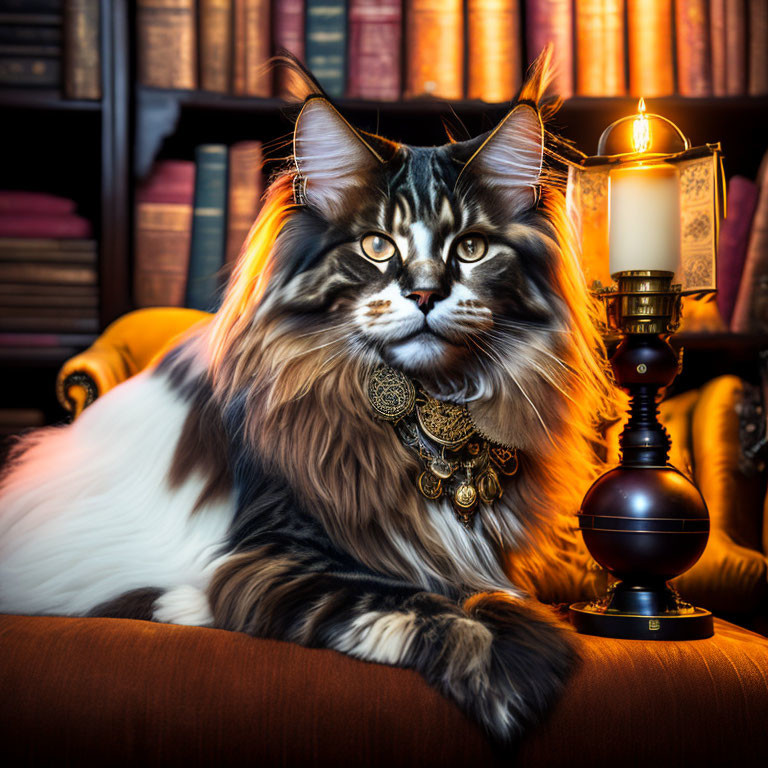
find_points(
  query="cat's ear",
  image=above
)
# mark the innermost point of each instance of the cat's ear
(509, 160)
(332, 158)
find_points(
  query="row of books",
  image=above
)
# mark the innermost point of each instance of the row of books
(48, 266)
(51, 44)
(452, 49)
(191, 221)
(742, 269)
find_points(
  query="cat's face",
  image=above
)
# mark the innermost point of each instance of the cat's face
(434, 259)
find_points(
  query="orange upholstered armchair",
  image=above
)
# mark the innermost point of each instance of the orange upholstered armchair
(106, 691)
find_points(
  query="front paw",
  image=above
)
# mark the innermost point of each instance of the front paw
(504, 665)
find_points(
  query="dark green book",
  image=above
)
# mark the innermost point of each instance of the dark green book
(326, 47)
(209, 228)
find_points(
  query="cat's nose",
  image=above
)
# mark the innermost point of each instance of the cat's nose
(425, 300)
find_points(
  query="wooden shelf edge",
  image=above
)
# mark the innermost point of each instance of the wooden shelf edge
(44, 99)
(196, 99)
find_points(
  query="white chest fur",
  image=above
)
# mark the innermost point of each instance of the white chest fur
(87, 513)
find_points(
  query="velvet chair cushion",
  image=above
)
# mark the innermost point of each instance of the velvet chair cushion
(127, 693)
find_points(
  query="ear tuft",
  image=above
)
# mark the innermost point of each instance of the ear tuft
(332, 158)
(509, 161)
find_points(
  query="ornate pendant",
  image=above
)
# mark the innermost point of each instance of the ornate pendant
(390, 393)
(488, 486)
(464, 503)
(440, 467)
(505, 459)
(430, 486)
(445, 423)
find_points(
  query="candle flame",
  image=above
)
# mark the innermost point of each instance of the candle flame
(641, 129)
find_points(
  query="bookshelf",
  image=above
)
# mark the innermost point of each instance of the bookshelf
(98, 151)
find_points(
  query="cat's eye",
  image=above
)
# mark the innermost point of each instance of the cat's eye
(378, 247)
(471, 247)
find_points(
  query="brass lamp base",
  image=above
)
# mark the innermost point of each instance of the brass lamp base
(592, 619)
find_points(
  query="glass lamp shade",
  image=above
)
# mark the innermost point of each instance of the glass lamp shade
(667, 200)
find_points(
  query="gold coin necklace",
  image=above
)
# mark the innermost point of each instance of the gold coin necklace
(456, 461)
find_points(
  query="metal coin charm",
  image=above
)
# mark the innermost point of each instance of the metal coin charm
(440, 467)
(429, 485)
(446, 423)
(390, 393)
(465, 496)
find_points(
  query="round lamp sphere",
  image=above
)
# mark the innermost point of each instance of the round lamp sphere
(649, 520)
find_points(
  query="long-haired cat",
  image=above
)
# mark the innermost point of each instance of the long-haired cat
(244, 482)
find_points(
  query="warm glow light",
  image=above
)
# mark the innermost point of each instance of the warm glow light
(641, 129)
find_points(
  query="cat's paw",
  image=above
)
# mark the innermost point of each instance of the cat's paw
(504, 664)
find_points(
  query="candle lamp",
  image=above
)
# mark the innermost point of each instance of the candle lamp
(646, 209)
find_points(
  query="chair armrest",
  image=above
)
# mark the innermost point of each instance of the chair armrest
(125, 348)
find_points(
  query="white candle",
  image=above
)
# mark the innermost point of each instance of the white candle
(644, 218)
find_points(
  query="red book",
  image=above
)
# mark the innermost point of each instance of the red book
(694, 72)
(728, 33)
(288, 33)
(163, 232)
(12, 201)
(374, 49)
(551, 21)
(734, 238)
(34, 225)
(758, 47)
(750, 313)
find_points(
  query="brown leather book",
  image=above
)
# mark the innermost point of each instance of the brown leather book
(717, 45)
(694, 62)
(163, 234)
(651, 66)
(494, 49)
(215, 44)
(245, 189)
(600, 67)
(252, 48)
(736, 47)
(82, 49)
(166, 43)
(434, 48)
(375, 30)
(288, 33)
(48, 273)
(551, 21)
(758, 47)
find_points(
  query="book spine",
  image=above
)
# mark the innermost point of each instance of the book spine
(31, 299)
(215, 35)
(600, 69)
(551, 21)
(36, 320)
(758, 47)
(750, 313)
(288, 34)
(163, 232)
(494, 49)
(694, 73)
(166, 43)
(434, 45)
(375, 30)
(31, 6)
(651, 66)
(326, 43)
(30, 72)
(245, 190)
(252, 48)
(34, 202)
(49, 257)
(734, 237)
(736, 47)
(47, 273)
(82, 49)
(14, 33)
(208, 228)
(717, 20)
(26, 225)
